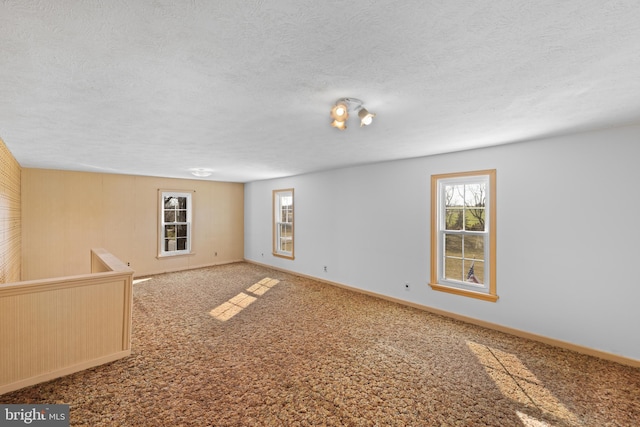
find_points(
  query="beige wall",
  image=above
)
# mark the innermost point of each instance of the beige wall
(10, 224)
(65, 214)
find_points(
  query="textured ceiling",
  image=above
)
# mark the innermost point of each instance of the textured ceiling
(158, 87)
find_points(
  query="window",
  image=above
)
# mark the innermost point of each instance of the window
(463, 230)
(175, 223)
(283, 223)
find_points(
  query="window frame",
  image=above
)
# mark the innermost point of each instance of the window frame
(486, 291)
(277, 249)
(162, 253)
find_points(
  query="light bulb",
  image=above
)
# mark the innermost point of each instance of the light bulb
(339, 112)
(339, 124)
(365, 117)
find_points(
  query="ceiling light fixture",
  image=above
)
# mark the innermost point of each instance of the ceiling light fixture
(340, 113)
(201, 172)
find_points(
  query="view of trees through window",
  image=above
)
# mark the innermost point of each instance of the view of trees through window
(175, 224)
(283, 228)
(285, 225)
(464, 231)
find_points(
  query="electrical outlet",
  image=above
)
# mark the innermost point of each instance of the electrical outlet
(325, 268)
(406, 285)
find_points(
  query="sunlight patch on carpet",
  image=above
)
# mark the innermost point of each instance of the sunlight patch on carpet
(261, 287)
(235, 305)
(242, 300)
(530, 421)
(518, 383)
(225, 311)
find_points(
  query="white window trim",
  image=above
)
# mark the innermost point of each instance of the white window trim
(486, 291)
(277, 197)
(161, 222)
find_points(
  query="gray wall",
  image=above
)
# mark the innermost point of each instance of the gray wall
(568, 234)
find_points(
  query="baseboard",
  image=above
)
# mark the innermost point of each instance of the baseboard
(6, 388)
(489, 325)
(189, 267)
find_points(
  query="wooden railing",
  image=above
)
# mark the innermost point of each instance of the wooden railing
(54, 327)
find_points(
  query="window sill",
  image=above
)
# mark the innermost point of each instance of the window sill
(283, 256)
(464, 292)
(162, 256)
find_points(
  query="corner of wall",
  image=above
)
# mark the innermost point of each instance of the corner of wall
(10, 217)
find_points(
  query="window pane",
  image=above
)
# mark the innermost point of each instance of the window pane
(454, 218)
(287, 214)
(170, 202)
(182, 244)
(181, 216)
(169, 231)
(475, 273)
(169, 245)
(453, 268)
(453, 245)
(475, 219)
(286, 245)
(454, 195)
(474, 247)
(169, 216)
(182, 203)
(474, 195)
(287, 230)
(285, 237)
(453, 255)
(182, 231)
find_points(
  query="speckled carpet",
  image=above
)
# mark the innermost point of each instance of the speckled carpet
(243, 345)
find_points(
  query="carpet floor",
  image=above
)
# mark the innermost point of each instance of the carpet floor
(244, 345)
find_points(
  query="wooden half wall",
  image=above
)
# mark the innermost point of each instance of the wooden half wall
(54, 327)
